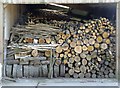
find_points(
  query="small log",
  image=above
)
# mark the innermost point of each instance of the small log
(83, 55)
(69, 54)
(35, 53)
(104, 46)
(48, 40)
(35, 41)
(84, 62)
(65, 61)
(77, 69)
(111, 75)
(107, 41)
(105, 35)
(88, 57)
(41, 41)
(65, 46)
(57, 62)
(60, 41)
(70, 65)
(84, 48)
(88, 75)
(67, 75)
(48, 53)
(71, 60)
(99, 39)
(71, 71)
(81, 75)
(59, 49)
(77, 58)
(72, 44)
(61, 55)
(90, 48)
(78, 49)
(75, 75)
(77, 64)
(83, 69)
(97, 45)
(91, 41)
(94, 75)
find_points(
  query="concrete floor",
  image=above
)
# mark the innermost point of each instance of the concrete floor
(33, 82)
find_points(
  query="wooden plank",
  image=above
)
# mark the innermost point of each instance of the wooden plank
(14, 70)
(56, 71)
(45, 70)
(9, 70)
(26, 70)
(62, 70)
(19, 71)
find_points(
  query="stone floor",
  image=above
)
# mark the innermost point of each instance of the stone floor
(80, 83)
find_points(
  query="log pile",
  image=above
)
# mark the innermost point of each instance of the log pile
(86, 48)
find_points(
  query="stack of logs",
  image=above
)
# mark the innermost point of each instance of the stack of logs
(87, 48)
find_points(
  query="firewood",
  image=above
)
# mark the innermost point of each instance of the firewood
(60, 41)
(105, 35)
(48, 40)
(77, 58)
(75, 75)
(91, 41)
(71, 60)
(104, 46)
(84, 61)
(62, 70)
(59, 49)
(47, 53)
(71, 71)
(90, 48)
(99, 39)
(34, 53)
(41, 41)
(78, 49)
(83, 68)
(72, 44)
(65, 46)
(88, 75)
(81, 75)
(77, 69)
(77, 64)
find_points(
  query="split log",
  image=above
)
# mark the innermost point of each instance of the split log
(88, 75)
(65, 46)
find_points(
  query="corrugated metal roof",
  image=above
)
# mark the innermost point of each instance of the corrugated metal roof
(57, 1)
